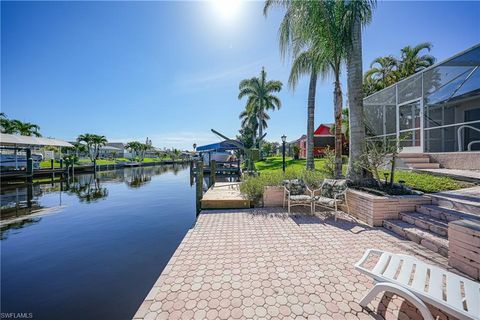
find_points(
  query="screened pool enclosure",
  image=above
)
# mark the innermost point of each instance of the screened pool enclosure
(435, 110)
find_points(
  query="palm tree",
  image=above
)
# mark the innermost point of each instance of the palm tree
(359, 14)
(27, 128)
(314, 31)
(93, 142)
(260, 98)
(383, 70)
(98, 142)
(411, 61)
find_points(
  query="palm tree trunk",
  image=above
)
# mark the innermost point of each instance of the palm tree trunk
(260, 133)
(311, 120)
(355, 100)
(337, 102)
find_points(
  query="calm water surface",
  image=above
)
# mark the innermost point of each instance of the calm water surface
(93, 250)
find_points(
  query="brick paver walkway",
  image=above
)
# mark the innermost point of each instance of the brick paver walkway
(259, 264)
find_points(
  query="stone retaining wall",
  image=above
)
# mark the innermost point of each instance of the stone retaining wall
(464, 247)
(373, 209)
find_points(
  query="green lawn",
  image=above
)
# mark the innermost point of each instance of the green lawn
(424, 182)
(275, 164)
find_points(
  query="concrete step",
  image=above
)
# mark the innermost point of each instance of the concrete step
(465, 203)
(412, 155)
(427, 222)
(423, 165)
(425, 238)
(416, 160)
(445, 214)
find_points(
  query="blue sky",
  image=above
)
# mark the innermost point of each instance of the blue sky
(170, 70)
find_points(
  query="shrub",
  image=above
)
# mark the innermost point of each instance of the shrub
(328, 169)
(253, 186)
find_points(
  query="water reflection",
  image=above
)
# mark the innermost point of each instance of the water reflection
(20, 205)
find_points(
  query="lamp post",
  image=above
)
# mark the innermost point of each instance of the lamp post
(284, 139)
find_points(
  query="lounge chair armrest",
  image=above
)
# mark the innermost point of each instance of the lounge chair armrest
(365, 256)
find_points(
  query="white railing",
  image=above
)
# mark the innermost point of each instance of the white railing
(459, 136)
(469, 146)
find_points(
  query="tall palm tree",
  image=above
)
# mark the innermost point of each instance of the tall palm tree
(383, 70)
(359, 13)
(411, 61)
(260, 99)
(315, 31)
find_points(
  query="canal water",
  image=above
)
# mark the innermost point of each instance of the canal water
(91, 248)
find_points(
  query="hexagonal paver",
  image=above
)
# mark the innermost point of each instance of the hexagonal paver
(262, 263)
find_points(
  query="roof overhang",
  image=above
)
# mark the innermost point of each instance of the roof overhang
(23, 141)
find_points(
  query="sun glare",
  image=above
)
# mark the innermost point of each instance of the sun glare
(227, 10)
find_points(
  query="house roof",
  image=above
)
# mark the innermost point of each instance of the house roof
(17, 140)
(221, 146)
(324, 130)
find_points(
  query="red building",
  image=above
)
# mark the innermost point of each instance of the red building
(322, 139)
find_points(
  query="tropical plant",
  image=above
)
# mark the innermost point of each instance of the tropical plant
(260, 99)
(17, 126)
(137, 149)
(359, 14)
(384, 71)
(93, 143)
(319, 34)
(378, 155)
(412, 62)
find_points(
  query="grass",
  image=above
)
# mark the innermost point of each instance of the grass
(275, 164)
(424, 182)
(427, 182)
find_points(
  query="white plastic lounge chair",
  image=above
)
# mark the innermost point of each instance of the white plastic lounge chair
(422, 283)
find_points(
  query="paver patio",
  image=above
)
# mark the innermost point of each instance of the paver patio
(262, 264)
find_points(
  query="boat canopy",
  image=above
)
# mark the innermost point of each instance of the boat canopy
(23, 141)
(225, 145)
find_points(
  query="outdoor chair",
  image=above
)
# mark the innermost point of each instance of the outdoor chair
(297, 193)
(330, 194)
(420, 283)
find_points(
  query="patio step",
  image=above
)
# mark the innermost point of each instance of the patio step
(413, 155)
(425, 238)
(416, 165)
(417, 161)
(445, 214)
(465, 203)
(426, 222)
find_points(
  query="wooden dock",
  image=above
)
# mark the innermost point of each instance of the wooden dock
(224, 195)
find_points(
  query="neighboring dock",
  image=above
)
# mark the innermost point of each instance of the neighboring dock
(224, 195)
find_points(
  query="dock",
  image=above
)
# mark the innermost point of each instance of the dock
(224, 195)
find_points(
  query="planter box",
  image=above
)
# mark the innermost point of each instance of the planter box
(273, 196)
(464, 247)
(373, 209)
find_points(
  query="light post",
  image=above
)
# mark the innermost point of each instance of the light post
(284, 139)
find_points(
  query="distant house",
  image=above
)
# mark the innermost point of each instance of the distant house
(323, 138)
(120, 151)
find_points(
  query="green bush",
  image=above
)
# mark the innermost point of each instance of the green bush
(253, 186)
